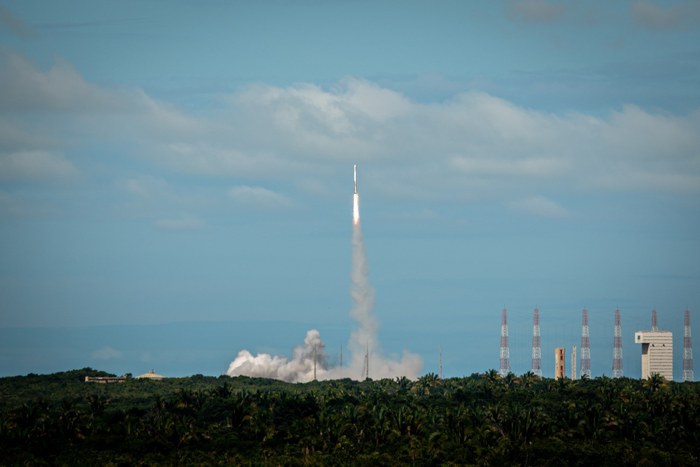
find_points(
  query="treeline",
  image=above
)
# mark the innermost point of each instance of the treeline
(482, 419)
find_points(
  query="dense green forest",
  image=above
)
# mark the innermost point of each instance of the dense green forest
(483, 419)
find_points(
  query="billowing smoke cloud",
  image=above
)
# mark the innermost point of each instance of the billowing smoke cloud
(299, 368)
(366, 358)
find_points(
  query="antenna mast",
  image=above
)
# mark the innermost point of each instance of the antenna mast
(365, 369)
(505, 347)
(688, 374)
(536, 344)
(617, 347)
(585, 346)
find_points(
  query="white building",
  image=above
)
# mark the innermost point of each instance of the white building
(657, 353)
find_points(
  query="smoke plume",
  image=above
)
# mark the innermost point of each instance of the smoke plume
(300, 368)
(366, 357)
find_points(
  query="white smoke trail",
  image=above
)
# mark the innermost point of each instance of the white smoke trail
(366, 356)
(364, 346)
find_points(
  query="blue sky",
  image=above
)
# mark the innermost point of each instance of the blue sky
(190, 162)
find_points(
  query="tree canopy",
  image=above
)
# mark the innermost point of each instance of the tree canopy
(480, 419)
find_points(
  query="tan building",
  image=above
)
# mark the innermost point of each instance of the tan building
(657, 353)
(559, 363)
(105, 379)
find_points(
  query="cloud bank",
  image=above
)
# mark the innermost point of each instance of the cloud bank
(276, 144)
(681, 15)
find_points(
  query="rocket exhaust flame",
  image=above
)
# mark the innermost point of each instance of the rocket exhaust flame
(355, 209)
(309, 360)
(354, 176)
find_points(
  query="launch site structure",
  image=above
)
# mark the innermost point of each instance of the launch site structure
(585, 346)
(536, 344)
(688, 374)
(559, 363)
(657, 353)
(617, 347)
(504, 368)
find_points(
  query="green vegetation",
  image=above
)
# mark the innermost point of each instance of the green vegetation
(482, 419)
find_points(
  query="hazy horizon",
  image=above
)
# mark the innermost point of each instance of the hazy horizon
(191, 162)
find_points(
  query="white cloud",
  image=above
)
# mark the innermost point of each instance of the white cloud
(474, 145)
(664, 182)
(146, 186)
(217, 160)
(36, 166)
(663, 18)
(15, 136)
(15, 24)
(258, 197)
(536, 11)
(540, 206)
(61, 88)
(75, 104)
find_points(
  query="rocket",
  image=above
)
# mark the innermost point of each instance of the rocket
(355, 199)
(354, 176)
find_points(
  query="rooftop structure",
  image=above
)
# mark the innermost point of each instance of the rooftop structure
(105, 379)
(657, 353)
(152, 375)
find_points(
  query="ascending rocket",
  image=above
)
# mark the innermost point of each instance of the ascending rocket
(355, 199)
(354, 176)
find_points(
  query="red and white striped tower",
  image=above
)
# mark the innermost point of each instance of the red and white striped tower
(617, 347)
(654, 322)
(536, 344)
(505, 347)
(688, 374)
(585, 346)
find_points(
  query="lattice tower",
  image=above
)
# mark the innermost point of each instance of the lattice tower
(617, 347)
(536, 344)
(585, 346)
(505, 347)
(688, 374)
